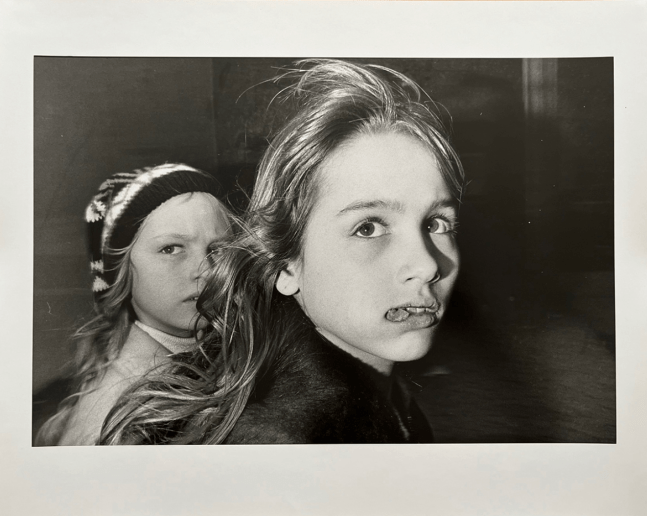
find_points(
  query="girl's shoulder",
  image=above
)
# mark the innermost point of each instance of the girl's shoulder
(320, 395)
(139, 355)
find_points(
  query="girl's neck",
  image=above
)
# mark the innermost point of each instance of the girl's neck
(171, 342)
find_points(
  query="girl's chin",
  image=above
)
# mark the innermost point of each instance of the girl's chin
(176, 332)
(184, 329)
(411, 349)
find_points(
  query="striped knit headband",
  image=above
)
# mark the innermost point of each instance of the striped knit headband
(122, 203)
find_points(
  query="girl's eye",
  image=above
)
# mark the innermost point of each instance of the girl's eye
(171, 249)
(214, 248)
(370, 230)
(212, 253)
(439, 226)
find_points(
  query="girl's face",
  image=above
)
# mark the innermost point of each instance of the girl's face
(167, 256)
(379, 257)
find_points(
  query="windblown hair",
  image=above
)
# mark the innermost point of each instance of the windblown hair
(101, 339)
(98, 343)
(200, 399)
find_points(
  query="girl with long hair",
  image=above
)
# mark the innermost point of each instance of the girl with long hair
(149, 233)
(342, 266)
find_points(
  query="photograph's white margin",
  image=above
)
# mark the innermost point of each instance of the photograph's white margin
(388, 479)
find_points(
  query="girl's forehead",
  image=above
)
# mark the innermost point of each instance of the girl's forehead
(382, 165)
(193, 210)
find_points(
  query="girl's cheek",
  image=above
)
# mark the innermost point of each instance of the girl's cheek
(446, 243)
(449, 258)
(367, 251)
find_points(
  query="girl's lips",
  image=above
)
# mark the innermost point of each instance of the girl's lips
(402, 313)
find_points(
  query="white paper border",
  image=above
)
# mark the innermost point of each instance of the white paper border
(437, 479)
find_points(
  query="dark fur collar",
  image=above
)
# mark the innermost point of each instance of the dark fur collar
(321, 394)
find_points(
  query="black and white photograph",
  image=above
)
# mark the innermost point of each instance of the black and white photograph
(402, 268)
(507, 291)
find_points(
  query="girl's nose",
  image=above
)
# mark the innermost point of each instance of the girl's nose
(198, 268)
(421, 261)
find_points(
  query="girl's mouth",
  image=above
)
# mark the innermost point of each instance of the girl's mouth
(402, 313)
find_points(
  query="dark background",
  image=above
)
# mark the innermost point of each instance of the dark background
(527, 353)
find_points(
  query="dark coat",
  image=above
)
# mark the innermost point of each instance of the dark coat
(324, 395)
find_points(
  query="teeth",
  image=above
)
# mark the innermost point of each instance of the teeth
(417, 309)
(402, 314)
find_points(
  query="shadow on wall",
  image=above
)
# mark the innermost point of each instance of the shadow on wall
(528, 354)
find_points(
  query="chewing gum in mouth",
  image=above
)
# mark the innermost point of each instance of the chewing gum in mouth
(403, 313)
(397, 315)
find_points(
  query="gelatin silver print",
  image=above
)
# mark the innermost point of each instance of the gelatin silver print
(321, 250)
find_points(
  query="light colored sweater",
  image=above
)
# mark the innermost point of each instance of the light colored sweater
(145, 349)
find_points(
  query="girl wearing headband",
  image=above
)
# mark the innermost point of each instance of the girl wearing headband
(149, 233)
(343, 266)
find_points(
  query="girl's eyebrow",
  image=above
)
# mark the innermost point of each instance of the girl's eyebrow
(378, 203)
(395, 205)
(177, 236)
(444, 204)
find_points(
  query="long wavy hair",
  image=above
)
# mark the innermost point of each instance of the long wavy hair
(98, 343)
(100, 340)
(199, 400)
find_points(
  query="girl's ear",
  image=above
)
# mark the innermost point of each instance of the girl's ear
(287, 282)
